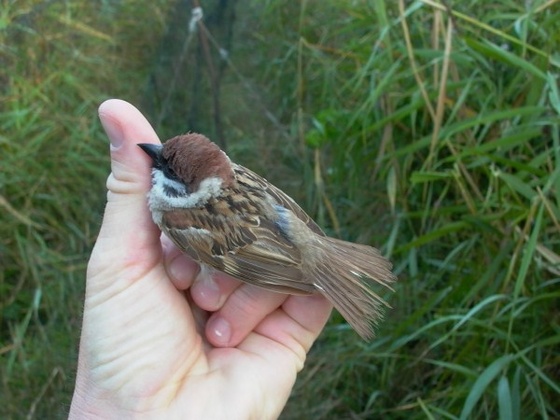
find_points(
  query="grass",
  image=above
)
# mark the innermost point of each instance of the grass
(59, 60)
(427, 128)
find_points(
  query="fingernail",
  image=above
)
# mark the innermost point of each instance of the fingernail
(180, 267)
(208, 293)
(113, 130)
(221, 329)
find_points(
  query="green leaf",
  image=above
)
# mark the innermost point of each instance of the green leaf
(481, 384)
(392, 188)
(435, 234)
(419, 177)
(553, 95)
(505, 403)
(501, 54)
(528, 252)
(517, 185)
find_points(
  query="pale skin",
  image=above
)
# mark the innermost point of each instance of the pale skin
(160, 338)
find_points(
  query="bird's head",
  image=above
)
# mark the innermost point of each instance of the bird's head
(188, 167)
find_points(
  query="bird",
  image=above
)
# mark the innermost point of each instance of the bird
(228, 218)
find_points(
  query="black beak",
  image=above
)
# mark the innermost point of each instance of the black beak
(152, 150)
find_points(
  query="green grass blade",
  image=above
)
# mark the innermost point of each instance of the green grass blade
(505, 402)
(483, 381)
(496, 53)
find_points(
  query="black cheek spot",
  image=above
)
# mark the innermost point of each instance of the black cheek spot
(170, 191)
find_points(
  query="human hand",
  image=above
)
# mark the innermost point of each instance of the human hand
(160, 339)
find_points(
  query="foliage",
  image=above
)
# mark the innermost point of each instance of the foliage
(437, 135)
(58, 61)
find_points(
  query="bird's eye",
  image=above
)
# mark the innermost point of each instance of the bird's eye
(169, 173)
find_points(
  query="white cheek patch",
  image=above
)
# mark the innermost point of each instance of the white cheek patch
(160, 181)
(159, 200)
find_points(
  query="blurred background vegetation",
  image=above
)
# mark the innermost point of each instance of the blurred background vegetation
(428, 128)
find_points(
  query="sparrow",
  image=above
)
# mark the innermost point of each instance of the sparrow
(227, 217)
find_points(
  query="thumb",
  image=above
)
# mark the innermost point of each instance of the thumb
(128, 237)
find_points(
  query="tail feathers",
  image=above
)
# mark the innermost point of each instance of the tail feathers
(345, 279)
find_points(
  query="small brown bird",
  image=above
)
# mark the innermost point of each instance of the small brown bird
(227, 217)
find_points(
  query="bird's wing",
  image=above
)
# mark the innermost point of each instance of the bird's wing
(283, 199)
(248, 247)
